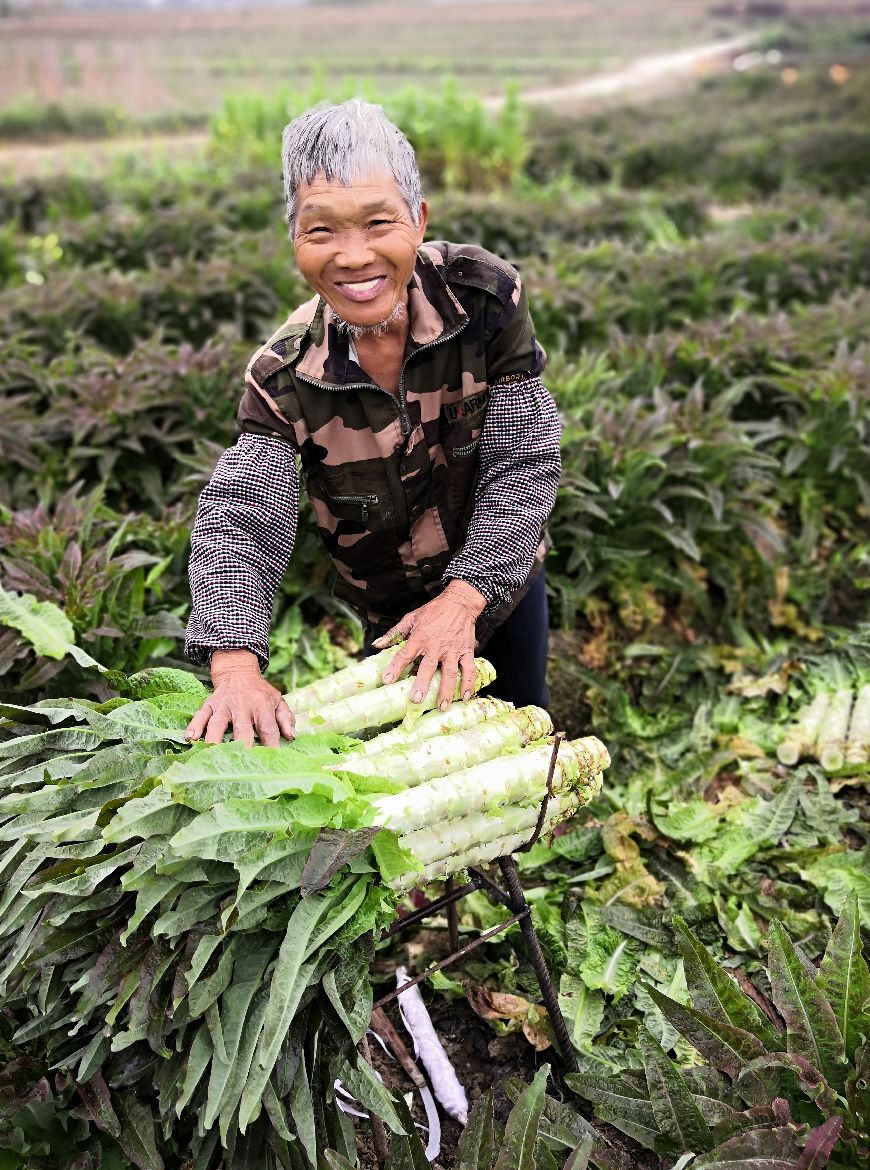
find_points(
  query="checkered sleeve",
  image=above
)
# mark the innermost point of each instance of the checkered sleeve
(240, 546)
(520, 465)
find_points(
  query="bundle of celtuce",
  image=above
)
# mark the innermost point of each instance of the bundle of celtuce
(186, 930)
(834, 726)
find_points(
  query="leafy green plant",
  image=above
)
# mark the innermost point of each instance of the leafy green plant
(788, 1084)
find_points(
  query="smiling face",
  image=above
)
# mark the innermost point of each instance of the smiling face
(356, 246)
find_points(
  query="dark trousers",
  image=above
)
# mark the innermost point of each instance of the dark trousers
(517, 650)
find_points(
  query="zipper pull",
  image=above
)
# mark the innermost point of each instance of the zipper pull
(365, 511)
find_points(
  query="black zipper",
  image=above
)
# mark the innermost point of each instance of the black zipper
(404, 420)
(401, 405)
(363, 502)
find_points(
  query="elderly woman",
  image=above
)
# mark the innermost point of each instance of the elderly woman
(409, 390)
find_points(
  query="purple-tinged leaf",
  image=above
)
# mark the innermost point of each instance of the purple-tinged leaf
(97, 1101)
(756, 1149)
(332, 849)
(811, 1080)
(677, 1116)
(476, 1143)
(812, 1030)
(715, 993)
(725, 1047)
(137, 1138)
(844, 976)
(820, 1144)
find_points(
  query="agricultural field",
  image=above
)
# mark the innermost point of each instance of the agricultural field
(698, 273)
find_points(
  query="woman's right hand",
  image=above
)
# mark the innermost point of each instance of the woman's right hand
(243, 700)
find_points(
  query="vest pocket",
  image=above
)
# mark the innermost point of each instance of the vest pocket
(357, 497)
(364, 503)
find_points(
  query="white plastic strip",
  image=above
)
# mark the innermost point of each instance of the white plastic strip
(428, 1048)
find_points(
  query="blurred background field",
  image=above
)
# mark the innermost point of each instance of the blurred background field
(697, 263)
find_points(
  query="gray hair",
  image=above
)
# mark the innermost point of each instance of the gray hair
(346, 143)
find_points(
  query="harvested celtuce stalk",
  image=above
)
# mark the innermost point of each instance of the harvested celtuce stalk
(457, 717)
(858, 742)
(416, 763)
(506, 780)
(427, 1046)
(559, 809)
(387, 704)
(801, 737)
(460, 834)
(831, 742)
(357, 679)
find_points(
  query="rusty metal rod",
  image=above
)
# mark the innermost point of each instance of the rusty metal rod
(452, 917)
(536, 957)
(383, 1025)
(379, 1133)
(490, 887)
(454, 957)
(430, 908)
(542, 815)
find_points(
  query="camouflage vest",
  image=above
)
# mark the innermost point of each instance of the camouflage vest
(391, 478)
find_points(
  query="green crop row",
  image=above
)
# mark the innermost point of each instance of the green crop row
(577, 297)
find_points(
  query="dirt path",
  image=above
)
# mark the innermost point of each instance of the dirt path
(644, 78)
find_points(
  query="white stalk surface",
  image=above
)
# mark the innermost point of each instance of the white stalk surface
(458, 716)
(356, 679)
(504, 780)
(418, 762)
(387, 704)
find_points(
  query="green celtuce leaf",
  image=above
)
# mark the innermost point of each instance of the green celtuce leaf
(236, 1006)
(60, 739)
(477, 1141)
(232, 828)
(579, 1157)
(716, 994)
(301, 1108)
(333, 849)
(138, 1138)
(331, 1160)
(582, 1008)
(521, 1129)
(141, 722)
(392, 860)
(811, 1026)
(844, 978)
(679, 1120)
(148, 816)
(407, 1151)
(44, 625)
(619, 1103)
(611, 957)
(840, 874)
(290, 980)
(724, 1046)
(230, 771)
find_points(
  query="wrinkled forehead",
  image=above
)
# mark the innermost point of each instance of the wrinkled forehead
(371, 190)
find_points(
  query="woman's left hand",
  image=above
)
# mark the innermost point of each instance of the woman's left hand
(440, 634)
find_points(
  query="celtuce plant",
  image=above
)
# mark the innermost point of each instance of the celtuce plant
(438, 756)
(480, 837)
(385, 705)
(503, 781)
(202, 916)
(834, 727)
(357, 679)
(457, 717)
